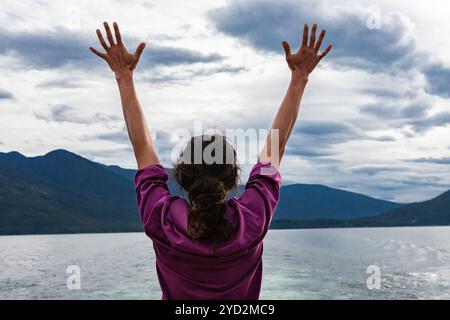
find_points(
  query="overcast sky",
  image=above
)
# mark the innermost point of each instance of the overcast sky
(375, 117)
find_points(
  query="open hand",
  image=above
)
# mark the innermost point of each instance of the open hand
(117, 56)
(303, 62)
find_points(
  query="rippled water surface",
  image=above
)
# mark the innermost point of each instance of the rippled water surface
(298, 264)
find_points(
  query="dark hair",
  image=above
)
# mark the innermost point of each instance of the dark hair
(207, 170)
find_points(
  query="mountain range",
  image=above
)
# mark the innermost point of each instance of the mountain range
(62, 192)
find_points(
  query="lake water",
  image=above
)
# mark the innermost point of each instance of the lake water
(298, 264)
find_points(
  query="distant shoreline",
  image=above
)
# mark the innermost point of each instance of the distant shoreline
(271, 229)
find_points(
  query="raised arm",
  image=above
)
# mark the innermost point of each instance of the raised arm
(301, 64)
(123, 63)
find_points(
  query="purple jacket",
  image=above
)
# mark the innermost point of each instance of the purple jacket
(188, 269)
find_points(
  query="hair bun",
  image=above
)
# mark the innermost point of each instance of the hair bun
(206, 192)
(208, 206)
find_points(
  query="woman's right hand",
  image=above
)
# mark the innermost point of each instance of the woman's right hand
(303, 62)
(121, 62)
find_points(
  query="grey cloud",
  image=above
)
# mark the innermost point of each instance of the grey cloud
(65, 113)
(315, 139)
(220, 69)
(414, 115)
(6, 95)
(108, 155)
(264, 24)
(117, 136)
(373, 170)
(64, 83)
(50, 49)
(327, 131)
(183, 76)
(438, 120)
(308, 150)
(444, 160)
(428, 181)
(62, 47)
(172, 56)
(323, 128)
(389, 110)
(386, 93)
(120, 137)
(163, 144)
(414, 111)
(438, 80)
(377, 110)
(384, 138)
(161, 138)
